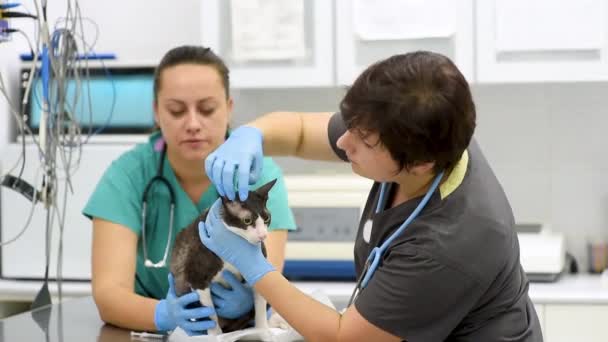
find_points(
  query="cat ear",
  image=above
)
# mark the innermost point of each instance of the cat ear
(264, 189)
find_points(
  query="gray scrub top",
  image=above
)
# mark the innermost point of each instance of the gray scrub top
(454, 273)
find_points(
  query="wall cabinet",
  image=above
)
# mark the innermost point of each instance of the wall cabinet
(575, 322)
(366, 34)
(491, 41)
(544, 40)
(267, 53)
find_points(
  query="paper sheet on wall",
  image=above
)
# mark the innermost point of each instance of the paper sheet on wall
(267, 29)
(541, 25)
(403, 19)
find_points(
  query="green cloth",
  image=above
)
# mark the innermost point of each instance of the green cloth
(118, 198)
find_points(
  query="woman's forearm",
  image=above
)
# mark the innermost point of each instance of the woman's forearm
(314, 320)
(282, 132)
(275, 248)
(123, 308)
(296, 134)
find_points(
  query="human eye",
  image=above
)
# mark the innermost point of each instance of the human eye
(176, 113)
(367, 144)
(176, 110)
(207, 110)
(363, 137)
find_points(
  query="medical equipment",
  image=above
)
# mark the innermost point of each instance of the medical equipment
(158, 178)
(327, 209)
(146, 336)
(117, 98)
(542, 252)
(373, 260)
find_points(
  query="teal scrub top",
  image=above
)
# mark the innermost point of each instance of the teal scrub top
(118, 198)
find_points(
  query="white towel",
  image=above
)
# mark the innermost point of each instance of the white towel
(279, 331)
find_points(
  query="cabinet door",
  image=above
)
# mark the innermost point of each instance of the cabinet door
(367, 31)
(25, 258)
(272, 43)
(541, 40)
(540, 312)
(575, 323)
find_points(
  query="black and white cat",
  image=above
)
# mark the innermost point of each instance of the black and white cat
(194, 266)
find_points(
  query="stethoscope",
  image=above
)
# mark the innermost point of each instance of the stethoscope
(158, 178)
(373, 260)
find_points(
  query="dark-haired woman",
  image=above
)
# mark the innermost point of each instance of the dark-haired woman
(454, 272)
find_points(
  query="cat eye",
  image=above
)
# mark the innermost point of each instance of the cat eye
(247, 220)
(266, 219)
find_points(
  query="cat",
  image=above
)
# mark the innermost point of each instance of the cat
(194, 266)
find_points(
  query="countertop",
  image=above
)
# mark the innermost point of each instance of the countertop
(77, 319)
(71, 321)
(572, 289)
(583, 289)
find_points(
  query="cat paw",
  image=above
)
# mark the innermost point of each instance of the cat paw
(277, 321)
(265, 335)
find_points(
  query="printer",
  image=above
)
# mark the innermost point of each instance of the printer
(327, 209)
(542, 251)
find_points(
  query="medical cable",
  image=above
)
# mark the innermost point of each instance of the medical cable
(158, 178)
(373, 260)
(60, 144)
(27, 221)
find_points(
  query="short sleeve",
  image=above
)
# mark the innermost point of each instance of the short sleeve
(116, 198)
(416, 297)
(281, 215)
(336, 128)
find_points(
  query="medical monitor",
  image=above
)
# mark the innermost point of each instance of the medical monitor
(107, 100)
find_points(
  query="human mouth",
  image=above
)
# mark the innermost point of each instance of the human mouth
(193, 143)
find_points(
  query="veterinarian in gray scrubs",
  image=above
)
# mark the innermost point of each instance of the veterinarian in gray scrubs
(192, 107)
(454, 272)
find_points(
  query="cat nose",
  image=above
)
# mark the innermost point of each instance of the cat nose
(262, 235)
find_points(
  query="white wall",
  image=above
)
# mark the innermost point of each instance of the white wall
(545, 141)
(547, 145)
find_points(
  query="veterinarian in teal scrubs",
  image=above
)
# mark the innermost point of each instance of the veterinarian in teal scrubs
(192, 109)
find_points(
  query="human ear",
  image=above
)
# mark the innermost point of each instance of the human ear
(422, 168)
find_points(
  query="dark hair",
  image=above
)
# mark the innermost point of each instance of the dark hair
(420, 105)
(188, 54)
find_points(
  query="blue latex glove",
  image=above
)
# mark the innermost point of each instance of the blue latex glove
(171, 312)
(232, 302)
(242, 153)
(245, 256)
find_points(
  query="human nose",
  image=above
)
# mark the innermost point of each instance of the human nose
(193, 121)
(344, 142)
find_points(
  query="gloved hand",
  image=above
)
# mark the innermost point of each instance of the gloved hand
(232, 302)
(232, 248)
(171, 312)
(242, 153)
